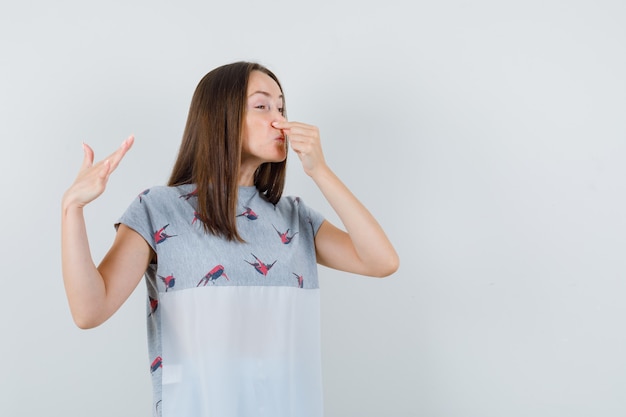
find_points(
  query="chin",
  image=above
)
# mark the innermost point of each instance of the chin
(278, 158)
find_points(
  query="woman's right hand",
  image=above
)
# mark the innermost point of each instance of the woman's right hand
(92, 178)
(95, 293)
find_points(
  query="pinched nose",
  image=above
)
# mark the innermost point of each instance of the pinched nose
(279, 116)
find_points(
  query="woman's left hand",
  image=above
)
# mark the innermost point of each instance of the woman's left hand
(364, 248)
(305, 141)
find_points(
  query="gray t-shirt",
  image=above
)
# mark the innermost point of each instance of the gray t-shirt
(233, 328)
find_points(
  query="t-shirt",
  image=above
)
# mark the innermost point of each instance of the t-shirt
(233, 328)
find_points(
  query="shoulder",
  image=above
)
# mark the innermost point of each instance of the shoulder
(161, 192)
(158, 208)
(290, 201)
(296, 206)
(159, 199)
(289, 204)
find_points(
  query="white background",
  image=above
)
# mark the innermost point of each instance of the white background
(488, 138)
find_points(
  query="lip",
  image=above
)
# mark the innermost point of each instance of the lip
(280, 138)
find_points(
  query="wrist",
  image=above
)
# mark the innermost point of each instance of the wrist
(68, 204)
(322, 173)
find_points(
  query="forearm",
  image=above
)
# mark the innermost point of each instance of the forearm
(370, 242)
(364, 249)
(87, 291)
(84, 285)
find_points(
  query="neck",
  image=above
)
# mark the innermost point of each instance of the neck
(246, 173)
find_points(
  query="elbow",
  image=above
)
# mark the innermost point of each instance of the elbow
(85, 322)
(387, 268)
(87, 313)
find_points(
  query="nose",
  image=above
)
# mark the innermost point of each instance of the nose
(279, 116)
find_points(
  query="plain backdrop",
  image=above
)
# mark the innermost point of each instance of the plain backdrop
(488, 138)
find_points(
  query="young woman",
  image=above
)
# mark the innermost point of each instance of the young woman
(230, 264)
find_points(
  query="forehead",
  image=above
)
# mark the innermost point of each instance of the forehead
(260, 82)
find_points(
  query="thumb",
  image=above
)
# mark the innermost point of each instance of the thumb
(88, 158)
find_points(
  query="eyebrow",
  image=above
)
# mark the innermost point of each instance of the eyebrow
(265, 93)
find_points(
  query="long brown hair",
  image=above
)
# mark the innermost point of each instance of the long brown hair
(210, 152)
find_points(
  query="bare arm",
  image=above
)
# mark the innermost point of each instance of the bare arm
(364, 249)
(94, 294)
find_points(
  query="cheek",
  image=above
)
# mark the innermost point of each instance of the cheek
(250, 126)
(257, 128)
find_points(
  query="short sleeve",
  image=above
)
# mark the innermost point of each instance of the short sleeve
(138, 216)
(310, 215)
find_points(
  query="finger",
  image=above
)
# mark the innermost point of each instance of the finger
(307, 139)
(301, 147)
(293, 126)
(115, 158)
(88, 158)
(303, 132)
(129, 141)
(105, 169)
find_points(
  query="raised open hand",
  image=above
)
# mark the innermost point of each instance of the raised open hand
(92, 178)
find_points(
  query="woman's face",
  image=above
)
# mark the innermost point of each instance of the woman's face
(262, 142)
